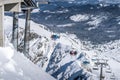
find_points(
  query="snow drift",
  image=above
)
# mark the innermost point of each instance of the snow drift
(14, 66)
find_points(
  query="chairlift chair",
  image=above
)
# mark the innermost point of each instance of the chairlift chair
(112, 77)
(93, 59)
(108, 71)
(95, 68)
(71, 52)
(75, 52)
(86, 62)
(103, 77)
(96, 63)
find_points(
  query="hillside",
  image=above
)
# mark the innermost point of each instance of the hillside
(54, 57)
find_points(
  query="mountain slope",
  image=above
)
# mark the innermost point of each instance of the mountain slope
(43, 48)
(53, 55)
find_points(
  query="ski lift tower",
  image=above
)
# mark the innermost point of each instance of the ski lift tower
(102, 63)
(27, 7)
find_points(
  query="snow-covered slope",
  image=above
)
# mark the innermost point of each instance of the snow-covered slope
(62, 65)
(15, 66)
(47, 52)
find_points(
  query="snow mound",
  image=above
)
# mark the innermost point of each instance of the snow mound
(14, 66)
(5, 54)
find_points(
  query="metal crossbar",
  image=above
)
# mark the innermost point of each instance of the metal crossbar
(30, 3)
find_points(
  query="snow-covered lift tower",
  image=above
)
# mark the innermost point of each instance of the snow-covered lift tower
(25, 4)
(10, 6)
(27, 7)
